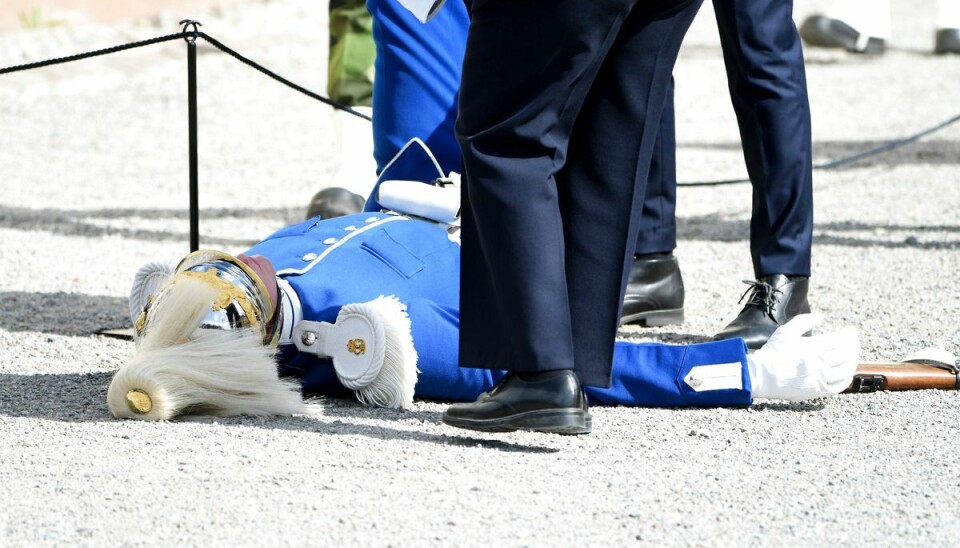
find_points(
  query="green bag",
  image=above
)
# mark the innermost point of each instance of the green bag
(352, 53)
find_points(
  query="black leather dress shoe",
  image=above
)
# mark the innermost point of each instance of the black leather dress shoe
(334, 202)
(551, 401)
(947, 41)
(827, 32)
(773, 301)
(654, 295)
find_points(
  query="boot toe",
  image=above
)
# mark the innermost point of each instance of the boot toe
(550, 402)
(774, 300)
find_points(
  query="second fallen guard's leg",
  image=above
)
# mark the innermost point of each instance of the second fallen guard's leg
(418, 75)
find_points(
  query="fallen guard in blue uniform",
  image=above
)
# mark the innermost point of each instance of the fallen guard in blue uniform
(368, 304)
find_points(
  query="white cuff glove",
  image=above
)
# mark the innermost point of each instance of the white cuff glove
(145, 283)
(793, 367)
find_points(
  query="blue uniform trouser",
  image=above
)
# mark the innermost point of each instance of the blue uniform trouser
(765, 73)
(417, 78)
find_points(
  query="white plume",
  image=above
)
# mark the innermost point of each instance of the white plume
(178, 368)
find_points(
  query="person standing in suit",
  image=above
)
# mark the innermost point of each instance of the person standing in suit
(559, 108)
(419, 67)
(764, 60)
(765, 74)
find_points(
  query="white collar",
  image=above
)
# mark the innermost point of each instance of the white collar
(292, 310)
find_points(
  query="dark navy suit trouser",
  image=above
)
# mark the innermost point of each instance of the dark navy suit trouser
(765, 73)
(560, 105)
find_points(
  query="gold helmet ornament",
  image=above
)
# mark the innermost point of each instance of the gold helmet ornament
(205, 344)
(240, 301)
(206, 340)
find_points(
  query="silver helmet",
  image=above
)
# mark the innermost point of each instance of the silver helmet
(241, 299)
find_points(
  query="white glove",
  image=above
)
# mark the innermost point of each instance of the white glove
(793, 367)
(145, 283)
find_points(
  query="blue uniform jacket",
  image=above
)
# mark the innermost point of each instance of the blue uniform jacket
(356, 258)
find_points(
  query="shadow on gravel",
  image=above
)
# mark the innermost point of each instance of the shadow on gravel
(336, 408)
(82, 397)
(68, 397)
(713, 227)
(889, 236)
(71, 314)
(717, 227)
(94, 223)
(339, 427)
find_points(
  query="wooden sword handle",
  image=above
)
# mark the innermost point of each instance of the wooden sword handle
(874, 376)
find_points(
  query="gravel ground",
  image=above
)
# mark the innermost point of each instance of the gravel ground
(93, 173)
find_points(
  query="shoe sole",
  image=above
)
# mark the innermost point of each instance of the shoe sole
(552, 421)
(655, 318)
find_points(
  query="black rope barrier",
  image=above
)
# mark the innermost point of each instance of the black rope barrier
(839, 162)
(190, 32)
(89, 54)
(263, 70)
(196, 33)
(188, 35)
(886, 146)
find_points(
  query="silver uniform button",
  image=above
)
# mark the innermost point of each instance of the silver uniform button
(308, 338)
(330, 240)
(309, 257)
(350, 228)
(371, 219)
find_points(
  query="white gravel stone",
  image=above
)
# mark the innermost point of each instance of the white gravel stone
(93, 183)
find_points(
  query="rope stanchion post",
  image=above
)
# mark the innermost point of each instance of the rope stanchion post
(191, 30)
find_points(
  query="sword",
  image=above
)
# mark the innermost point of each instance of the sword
(931, 368)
